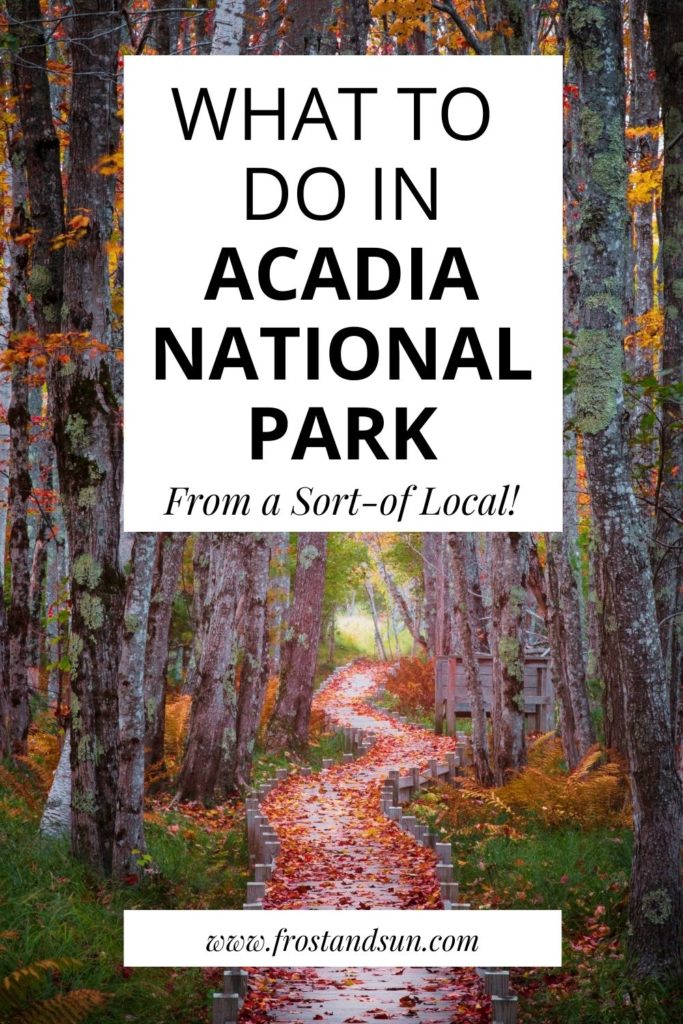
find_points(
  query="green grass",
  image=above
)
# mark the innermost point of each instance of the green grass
(585, 874)
(327, 745)
(60, 910)
(356, 633)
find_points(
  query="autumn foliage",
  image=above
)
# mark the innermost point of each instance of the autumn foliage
(593, 796)
(411, 683)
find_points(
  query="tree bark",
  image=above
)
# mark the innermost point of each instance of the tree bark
(254, 676)
(410, 620)
(19, 420)
(168, 561)
(87, 423)
(220, 565)
(289, 725)
(458, 543)
(379, 642)
(56, 818)
(509, 567)
(228, 31)
(278, 598)
(666, 29)
(356, 25)
(129, 837)
(631, 637)
(543, 585)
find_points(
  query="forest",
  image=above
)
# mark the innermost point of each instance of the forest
(149, 683)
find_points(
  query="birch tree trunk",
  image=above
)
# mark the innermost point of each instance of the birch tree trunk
(631, 637)
(432, 576)
(56, 818)
(220, 565)
(480, 747)
(379, 642)
(411, 621)
(129, 834)
(228, 27)
(509, 568)
(254, 677)
(289, 725)
(168, 561)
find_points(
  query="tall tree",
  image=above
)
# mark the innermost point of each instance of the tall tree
(18, 420)
(509, 568)
(220, 570)
(458, 543)
(278, 598)
(168, 561)
(631, 639)
(254, 673)
(289, 724)
(70, 284)
(129, 830)
(666, 23)
(87, 424)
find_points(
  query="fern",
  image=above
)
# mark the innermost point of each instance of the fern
(24, 789)
(595, 795)
(16, 987)
(67, 1008)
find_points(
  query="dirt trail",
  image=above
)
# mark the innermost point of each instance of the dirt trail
(338, 850)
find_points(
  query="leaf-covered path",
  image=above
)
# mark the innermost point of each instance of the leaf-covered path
(339, 850)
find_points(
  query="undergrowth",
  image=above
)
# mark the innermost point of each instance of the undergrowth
(551, 840)
(61, 942)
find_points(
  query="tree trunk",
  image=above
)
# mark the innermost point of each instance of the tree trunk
(379, 642)
(475, 600)
(5, 745)
(129, 835)
(169, 559)
(37, 582)
(228, 28)
(56, 819)
(411, 621)
(564, 588)
(356, 25)
(220, 565)
(480, 748)
(543, 585)
(87, 422)
(254, 677)
(432, 578)
(631, 638)
(278, 598)
(666, 29)
(509, 567)
(288, 728)
(19, 421)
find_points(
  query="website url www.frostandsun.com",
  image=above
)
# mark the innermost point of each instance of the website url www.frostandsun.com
(373, 941)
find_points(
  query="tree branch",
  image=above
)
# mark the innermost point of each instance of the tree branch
(471, 38)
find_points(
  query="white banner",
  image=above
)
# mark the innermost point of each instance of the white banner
(342, 938)
(343, 293)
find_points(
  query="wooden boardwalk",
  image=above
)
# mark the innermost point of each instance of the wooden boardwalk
(338, 850)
